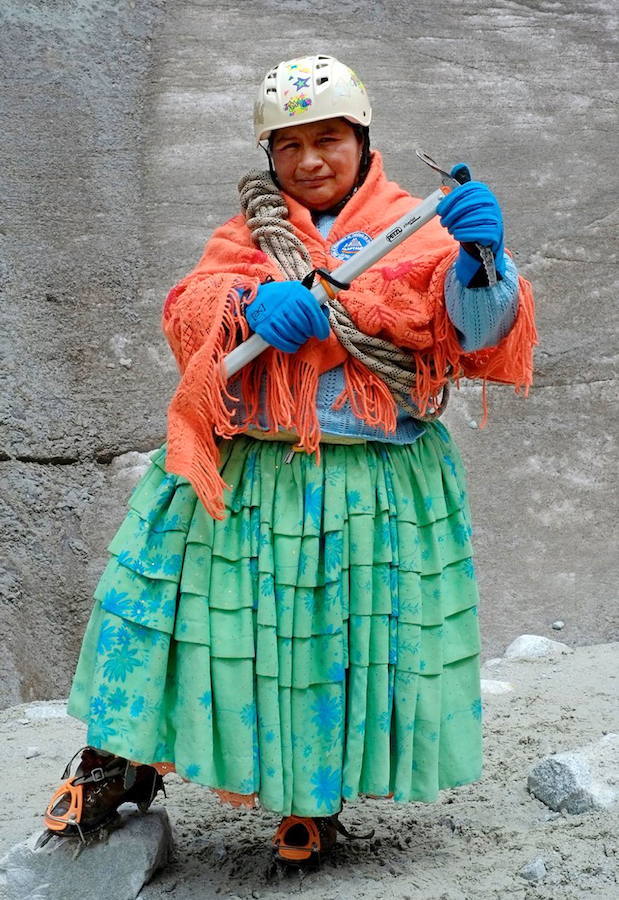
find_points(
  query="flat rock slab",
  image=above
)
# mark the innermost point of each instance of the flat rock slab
(114, 868)
(45, 709)
(490, 686)
(581, 780)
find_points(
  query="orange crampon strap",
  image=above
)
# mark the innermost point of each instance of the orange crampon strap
(296, 853)
(65, 807)
(72, 815)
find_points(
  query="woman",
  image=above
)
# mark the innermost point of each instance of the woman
(289, 614)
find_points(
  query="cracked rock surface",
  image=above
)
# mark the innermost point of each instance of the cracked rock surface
(127, 129)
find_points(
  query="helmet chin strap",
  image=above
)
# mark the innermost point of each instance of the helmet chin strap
(363, 134)
(267, 150)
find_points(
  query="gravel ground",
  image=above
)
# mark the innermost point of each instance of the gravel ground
(469, 846)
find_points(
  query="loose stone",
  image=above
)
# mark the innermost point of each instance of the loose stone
(534, 870)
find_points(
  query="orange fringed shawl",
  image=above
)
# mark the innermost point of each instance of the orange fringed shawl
(400, 298)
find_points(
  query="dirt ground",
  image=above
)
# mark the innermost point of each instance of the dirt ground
(469, 846)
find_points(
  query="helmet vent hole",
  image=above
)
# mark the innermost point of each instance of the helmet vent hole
(322, 80)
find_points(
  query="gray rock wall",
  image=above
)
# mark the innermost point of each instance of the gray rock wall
(74, 305)
(128, 128)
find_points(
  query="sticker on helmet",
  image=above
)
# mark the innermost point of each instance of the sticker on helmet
(351, 244)
(297, 104)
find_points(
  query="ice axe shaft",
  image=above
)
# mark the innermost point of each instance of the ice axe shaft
(382, 244)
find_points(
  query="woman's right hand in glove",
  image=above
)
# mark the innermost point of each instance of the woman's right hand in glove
(286, 314)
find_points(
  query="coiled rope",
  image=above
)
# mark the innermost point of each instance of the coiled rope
(266, 216)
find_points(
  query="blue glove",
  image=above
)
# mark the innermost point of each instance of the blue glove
(286, 315)
(472, 215)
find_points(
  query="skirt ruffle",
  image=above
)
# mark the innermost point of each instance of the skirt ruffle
(320, 642)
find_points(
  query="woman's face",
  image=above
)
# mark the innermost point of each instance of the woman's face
(317, 163)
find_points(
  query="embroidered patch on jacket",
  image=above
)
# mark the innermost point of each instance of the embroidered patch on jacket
(351, 244)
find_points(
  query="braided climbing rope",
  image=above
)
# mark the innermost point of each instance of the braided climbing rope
(266, 215)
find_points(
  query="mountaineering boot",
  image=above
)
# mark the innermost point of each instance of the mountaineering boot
(303, 841)
(87, 801)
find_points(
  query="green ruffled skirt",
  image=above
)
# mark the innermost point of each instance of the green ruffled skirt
(320, 642)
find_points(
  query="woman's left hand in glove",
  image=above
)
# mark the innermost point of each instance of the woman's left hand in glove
(472, 215)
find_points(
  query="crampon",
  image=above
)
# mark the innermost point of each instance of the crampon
(87, 802)
(303, 842)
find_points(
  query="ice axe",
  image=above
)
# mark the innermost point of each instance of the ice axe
(329, 283)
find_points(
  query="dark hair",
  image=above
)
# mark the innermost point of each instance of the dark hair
(363, 136)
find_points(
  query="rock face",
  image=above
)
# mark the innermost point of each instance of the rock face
(581, 780)
(112, 869)
(533, 646)
(74, 310)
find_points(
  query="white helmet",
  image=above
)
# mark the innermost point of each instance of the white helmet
(309, 89)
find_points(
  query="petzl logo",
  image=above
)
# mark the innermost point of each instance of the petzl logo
(351, 244)
(393, 234)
